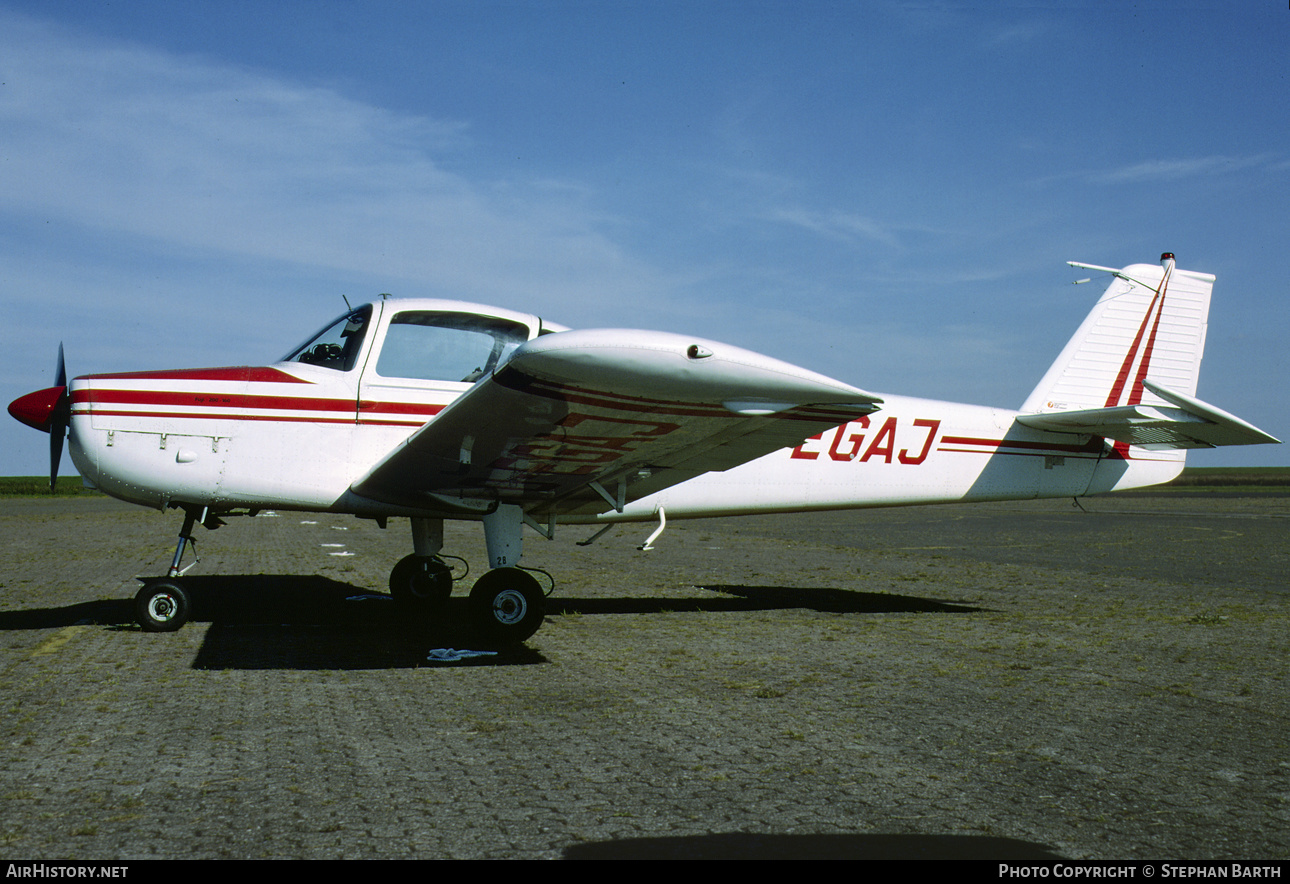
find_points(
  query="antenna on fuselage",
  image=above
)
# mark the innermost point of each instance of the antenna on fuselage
(348, 306)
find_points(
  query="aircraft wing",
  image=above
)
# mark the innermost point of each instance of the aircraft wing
(1185, 422)
(582, 421)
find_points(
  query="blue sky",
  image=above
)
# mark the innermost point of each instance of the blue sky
(883, 192)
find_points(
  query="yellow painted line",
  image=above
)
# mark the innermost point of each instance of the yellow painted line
(57, 640)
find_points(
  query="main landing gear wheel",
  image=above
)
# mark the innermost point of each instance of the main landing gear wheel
(421, 583)
(162, 606)
(507, 605)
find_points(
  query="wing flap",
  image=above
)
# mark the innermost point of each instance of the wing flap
(638, 411)
(1186, 422)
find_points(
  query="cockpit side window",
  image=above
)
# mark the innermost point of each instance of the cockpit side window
(437, 346)
(337, 345)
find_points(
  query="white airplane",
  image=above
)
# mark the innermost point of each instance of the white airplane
(439, 410)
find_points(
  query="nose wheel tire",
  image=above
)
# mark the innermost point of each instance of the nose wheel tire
(162, 606)
(421, 584)
(507, 605)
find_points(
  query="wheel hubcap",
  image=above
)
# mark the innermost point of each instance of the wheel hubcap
(162, 607)
(510, 607)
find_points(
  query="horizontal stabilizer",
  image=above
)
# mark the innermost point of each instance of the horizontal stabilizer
(1185, 423)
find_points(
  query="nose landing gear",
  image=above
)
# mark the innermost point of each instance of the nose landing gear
(163, 604)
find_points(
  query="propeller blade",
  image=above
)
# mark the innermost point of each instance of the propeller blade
(60, 418)
(55, 454)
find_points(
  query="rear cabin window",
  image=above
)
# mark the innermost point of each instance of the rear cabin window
(447, 346)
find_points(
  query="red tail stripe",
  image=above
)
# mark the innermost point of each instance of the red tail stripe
(1157, 301)
(1118, 387)
(1135, 394)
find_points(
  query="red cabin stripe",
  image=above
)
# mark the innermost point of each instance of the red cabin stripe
(209, 400)
(255, 374)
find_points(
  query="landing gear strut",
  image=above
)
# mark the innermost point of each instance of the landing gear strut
(163, 604)
(507, 605)
(421, 583)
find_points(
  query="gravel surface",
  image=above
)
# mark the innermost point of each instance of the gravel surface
(1019, 680)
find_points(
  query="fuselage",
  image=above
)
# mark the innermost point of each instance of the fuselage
(299, 433)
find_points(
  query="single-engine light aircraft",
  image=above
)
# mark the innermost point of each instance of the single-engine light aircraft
(434, 410)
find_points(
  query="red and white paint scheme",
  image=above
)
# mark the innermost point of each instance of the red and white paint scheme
(436, 410)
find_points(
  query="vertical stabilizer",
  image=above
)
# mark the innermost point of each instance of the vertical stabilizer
(1148, 325)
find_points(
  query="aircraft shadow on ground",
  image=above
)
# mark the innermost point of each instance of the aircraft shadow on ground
(764, 598)
(270, 621)
(274, 621)
(754, 846)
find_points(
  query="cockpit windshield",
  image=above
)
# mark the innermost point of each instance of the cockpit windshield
(337, 345)
(435, 346)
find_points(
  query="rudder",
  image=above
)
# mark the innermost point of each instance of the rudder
(1149, 324)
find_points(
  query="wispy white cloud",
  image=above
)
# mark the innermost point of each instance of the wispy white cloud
(935, 17)
(839, 225)
(1015, 33)
(1174, 169)
(214, 157)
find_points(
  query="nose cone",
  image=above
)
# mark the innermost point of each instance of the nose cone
(37, 409)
